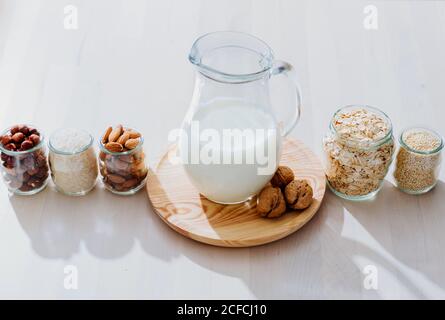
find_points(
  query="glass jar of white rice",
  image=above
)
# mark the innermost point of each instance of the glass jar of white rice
(73, 161)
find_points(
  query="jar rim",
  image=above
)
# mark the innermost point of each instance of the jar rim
(68, 153)
(375, 110)
(16, 153)
(429, 152)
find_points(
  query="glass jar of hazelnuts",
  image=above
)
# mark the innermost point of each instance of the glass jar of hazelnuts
(122, 160)
(24, 163)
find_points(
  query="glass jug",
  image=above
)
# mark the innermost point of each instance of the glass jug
(230, 143)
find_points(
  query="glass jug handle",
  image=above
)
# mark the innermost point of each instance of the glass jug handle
(286, 69)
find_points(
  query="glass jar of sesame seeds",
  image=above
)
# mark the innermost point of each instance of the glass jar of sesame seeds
(418, 160)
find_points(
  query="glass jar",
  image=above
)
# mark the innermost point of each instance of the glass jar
(418, 160)
(123, 173)
(72, 161)
(359, 148)
(25, 172)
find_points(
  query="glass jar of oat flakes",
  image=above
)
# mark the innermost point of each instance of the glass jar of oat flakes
(418, 160)
(359, 148)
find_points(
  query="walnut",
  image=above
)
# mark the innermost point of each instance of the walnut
(271, 203)
(282, 177)
(298, 194)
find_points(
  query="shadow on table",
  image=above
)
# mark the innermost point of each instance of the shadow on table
(399, 233)
(410, 229)
(106, 224)
(323, 258)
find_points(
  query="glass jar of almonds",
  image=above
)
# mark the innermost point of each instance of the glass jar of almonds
(122, 160)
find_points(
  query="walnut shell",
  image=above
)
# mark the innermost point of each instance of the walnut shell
(298, 194)
(271, 203)
(282, 177)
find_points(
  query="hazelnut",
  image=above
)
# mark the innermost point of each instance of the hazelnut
(43, 173)
(24, 129)
(282, 177)
(298, 194)
(34, 138)
(271, 203)
(34, 182)
(29, 163)
(40, 159)
(26, 145)
(5, 140)
(33, 131)
(25, 177)
(14, 130)
(11, 147)
(10, 163)
(33, 171)
(18, 137)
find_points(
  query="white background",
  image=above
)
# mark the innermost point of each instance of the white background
(127, 63)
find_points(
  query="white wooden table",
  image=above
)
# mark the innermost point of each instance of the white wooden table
(127, 62)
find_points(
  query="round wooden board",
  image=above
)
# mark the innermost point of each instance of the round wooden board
(181, 206)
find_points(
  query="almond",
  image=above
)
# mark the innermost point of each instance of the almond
(142, 174)
(127, 158)
(114, 147)
(134, 134)
(115, 134)
(130, 183)
(137, 166)
(119, 165)
(116, 178)
(131, 143)
(123, 138)
(103, 171)
(139, 155)
(106, 135)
